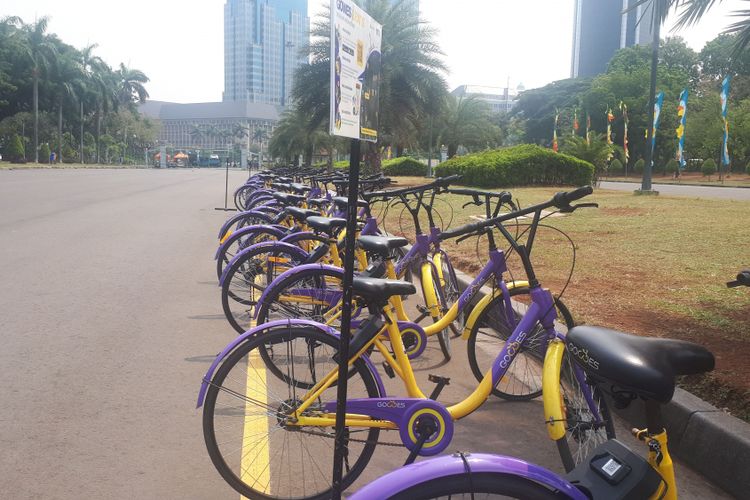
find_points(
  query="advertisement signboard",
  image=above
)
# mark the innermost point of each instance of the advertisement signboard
(355, 72)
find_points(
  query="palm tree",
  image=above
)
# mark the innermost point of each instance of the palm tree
(694, 10)
(130, 85)
(290, 137)
(260, 135)
(92, 66)
(69, 85)
(40, 51)
(595, 151)
(466, 122)
(411, 73)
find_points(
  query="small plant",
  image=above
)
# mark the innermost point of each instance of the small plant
(708, 168)
(15, 150)
(639, 166)
(404, 166)
(615, 167)
(44, 153)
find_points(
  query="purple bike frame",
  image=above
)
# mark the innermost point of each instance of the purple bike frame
(453, 465)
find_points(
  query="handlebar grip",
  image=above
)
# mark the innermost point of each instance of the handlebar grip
(563, 199)
(743, 278)
(445, 181)
(461, 230)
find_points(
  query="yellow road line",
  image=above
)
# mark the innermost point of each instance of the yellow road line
(255, 466)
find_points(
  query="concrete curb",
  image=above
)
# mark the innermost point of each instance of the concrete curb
(709, 440)
(676, 184)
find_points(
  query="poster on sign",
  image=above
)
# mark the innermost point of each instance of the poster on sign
(355, 72)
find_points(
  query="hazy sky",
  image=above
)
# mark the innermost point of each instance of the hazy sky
(179, 43)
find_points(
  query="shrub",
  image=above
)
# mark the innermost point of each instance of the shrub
(44, 153)
(672, 166)
(404, 166)
(639, 166)
(747, 169)
(708, 168)
(522, 165)
(15, 150)
(615, 167)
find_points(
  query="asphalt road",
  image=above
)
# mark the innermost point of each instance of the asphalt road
(110, 316)
(725, 193)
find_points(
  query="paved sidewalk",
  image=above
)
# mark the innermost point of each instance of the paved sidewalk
(727, 193)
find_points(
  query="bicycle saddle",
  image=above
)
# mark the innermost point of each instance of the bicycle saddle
(343, 201)
(318, 202)
(379, 290)
(300, 214)
(646, 366)
(327, 225)
(288, 198)
(381, 245)
(299, 188)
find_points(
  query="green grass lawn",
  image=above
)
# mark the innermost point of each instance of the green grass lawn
(653, 265)
(5, 165)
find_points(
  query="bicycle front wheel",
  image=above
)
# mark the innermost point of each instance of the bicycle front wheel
(490, 331)
(475, 486)
(251, 440)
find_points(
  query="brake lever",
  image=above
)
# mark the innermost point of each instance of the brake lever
(477, 203)
(572, 208)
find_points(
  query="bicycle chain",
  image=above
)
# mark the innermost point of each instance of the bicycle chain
(355, 440)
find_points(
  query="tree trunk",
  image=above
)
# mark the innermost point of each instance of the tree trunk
(36, 116)
(59, 131)
(452, 149)
(81, 155)
(372, 158)
(98, 129)
(308, 156)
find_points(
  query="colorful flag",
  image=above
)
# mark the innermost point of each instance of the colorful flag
(575, 121)
(554, 132)
(657, 112)
(724, 103)
(610, 119)
(588, 127)
(624, 109)
(682, 115)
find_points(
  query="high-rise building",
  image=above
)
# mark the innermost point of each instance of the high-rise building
(601, 27)
(262, 48)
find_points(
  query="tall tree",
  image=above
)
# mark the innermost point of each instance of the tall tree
(131, 87)
(466, 122)
(69, 83)
(40, 52)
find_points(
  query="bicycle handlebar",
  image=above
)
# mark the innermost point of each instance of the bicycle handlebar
(504, 196)
(441, 182)
(560, 200)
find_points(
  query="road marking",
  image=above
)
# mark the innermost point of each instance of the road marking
(255, 466)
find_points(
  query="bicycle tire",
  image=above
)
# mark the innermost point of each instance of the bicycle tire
(478, 485)
(581, 437)
(451, 291)
(487, 337)
(246, 279)
(430, 280)
(240, 386)
(238, 242)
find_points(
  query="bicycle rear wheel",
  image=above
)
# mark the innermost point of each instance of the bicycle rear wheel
(255, 447)
(490, 331)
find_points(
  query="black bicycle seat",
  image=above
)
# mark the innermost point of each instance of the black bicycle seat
(327, 225)
(343, 201)
(379, 290)
(381, 245)
(300, 214)
(646, 366)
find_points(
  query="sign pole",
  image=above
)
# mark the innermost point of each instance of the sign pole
(226, 193)
(346, 316)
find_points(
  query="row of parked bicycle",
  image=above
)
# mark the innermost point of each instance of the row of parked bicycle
(269, 398)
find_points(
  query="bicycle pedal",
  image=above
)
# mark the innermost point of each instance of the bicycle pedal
(423, 309)
(389, 370)
(437, 379)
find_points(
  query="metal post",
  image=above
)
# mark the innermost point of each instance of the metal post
(346, 316)
(647, 169)
(429, 154)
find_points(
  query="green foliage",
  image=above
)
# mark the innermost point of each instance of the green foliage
(709, 168)
(747, 169)
(672, 166)
(595, 151)
(44, 153)
(466, 122)
(522, 165)
(639, 166)
(616, 167)
(404, 166)
(15, 150)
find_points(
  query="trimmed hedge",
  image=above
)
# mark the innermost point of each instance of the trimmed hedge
(524, 165)
(404, 166)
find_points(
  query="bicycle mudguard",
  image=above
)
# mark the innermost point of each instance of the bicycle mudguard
(288, 323)
(290, 272)
(425, 471)
(293, 249)
(238, 217)
(483, 302)
(554, 411)
(250, 229)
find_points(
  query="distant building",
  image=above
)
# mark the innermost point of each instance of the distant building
(499, 99)
(210, 125)
(262, 49)
(601, 27)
